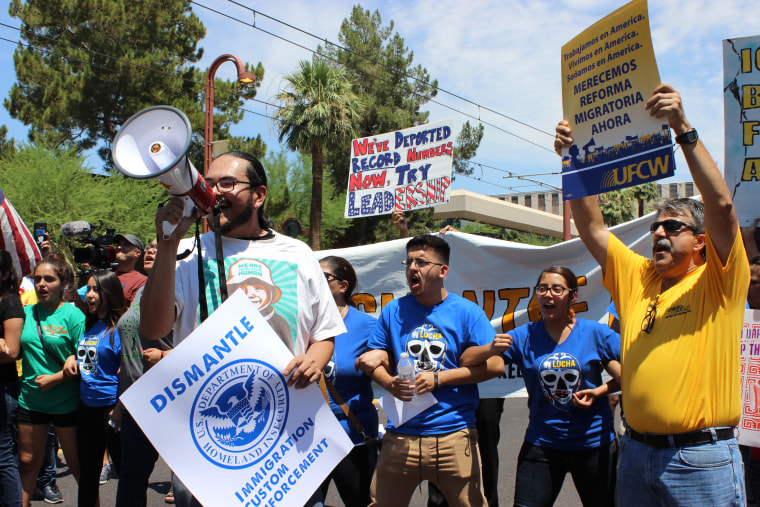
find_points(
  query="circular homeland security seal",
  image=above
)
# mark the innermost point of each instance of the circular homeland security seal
(239, 413)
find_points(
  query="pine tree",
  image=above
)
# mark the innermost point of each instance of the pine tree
(85, 66)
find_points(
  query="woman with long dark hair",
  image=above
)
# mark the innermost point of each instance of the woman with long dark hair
(99, 356)
(353, 475)
(49, 394)
(12, 318)
(570, 426)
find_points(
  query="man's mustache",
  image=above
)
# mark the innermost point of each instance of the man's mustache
(662, 243)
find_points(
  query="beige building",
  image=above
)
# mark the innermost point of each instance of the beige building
(551, 202)
(539, 213)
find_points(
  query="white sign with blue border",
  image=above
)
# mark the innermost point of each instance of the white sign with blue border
(220, 413)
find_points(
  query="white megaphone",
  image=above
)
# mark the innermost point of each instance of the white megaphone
(153, 144)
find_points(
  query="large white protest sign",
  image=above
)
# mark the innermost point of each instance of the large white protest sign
(749, 425)
(497, 275)
(741, 96)
(220, 413)
(405, 170)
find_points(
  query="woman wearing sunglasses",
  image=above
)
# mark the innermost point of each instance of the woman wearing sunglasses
(353, 475)
(570, 426)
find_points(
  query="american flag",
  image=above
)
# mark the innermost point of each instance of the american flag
(17, 239)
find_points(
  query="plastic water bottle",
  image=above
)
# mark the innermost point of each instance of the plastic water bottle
(405, 369)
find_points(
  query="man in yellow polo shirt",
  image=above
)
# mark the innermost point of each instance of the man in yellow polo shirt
(681, 314)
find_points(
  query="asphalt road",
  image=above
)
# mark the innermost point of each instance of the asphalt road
(513, 424)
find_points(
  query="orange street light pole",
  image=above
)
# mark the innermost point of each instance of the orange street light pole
(243, 77)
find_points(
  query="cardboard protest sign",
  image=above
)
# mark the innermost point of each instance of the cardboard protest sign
(406, 170)
(741, 98)
(749, 425)
(220, 413)
(608, 74)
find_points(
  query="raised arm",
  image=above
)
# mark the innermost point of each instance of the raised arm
(586, 213)
(157, 304)
(720, 215)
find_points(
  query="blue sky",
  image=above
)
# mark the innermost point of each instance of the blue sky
(503, 55)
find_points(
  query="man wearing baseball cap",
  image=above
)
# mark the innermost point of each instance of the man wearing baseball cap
(129, 248)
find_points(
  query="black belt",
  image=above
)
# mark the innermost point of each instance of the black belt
(682, 439)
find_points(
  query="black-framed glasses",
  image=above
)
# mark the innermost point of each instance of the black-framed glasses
(670, 226)
(648, 323)
(421, 263)
(226, 185)
(556, 290)
(151, 248)
(330, 277)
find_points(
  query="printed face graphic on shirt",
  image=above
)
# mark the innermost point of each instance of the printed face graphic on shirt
(87, 355)
(255, 279)
(270, 284)
(426, 347)
(560, 376)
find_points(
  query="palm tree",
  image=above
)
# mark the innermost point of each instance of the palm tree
(320, 113)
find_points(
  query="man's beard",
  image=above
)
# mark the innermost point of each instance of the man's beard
(243, 218)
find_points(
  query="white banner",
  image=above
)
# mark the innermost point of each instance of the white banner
(749, 425)
(741, 101)
(406, 170)
(219, 412)
(497, 275)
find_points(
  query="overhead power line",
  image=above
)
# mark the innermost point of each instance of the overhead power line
(167, 74)
(446, 106)
(342, 48)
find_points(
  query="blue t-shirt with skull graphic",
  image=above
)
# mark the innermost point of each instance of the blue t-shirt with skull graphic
(435, 337)
(99, 366)
(353, 386)
(553, 372)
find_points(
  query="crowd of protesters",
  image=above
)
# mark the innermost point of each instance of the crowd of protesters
(680, 443)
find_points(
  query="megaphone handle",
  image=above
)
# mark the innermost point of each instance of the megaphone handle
(169, 227)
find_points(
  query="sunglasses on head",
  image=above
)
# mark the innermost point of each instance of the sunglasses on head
(670, 226)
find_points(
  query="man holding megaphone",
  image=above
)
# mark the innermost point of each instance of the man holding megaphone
(257, 259)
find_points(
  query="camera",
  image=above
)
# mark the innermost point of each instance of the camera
(99, 252)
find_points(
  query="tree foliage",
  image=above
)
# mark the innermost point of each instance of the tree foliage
(46, 184)
(380, 67)
(288, 196)
(620, 206)
(85, 66)
(7, 146)
(466, 146)
(394, 90)
(320, 113)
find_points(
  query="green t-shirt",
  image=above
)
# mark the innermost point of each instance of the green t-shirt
(61, 331)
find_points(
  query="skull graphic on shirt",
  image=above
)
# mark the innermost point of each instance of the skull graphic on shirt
(426, 347)
(560, 377)
(87, 355)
